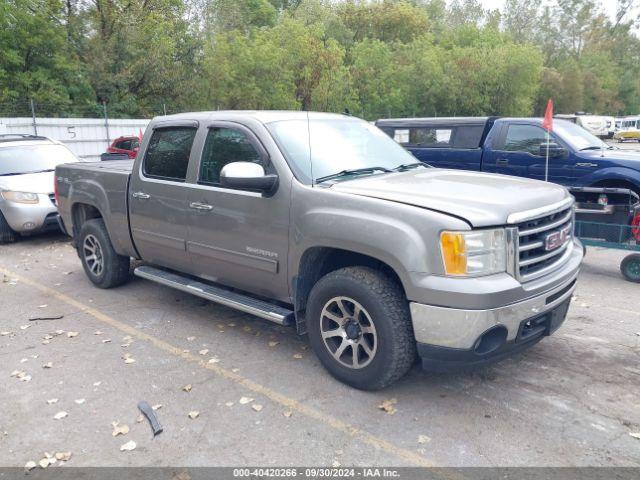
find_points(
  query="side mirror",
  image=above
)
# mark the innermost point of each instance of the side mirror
(555, 150)
(248, 176)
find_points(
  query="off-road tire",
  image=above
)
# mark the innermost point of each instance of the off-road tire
(385, 303)
(7, 235)
(115, 268)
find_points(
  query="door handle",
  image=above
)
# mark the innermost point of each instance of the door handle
(201, 206)
(141, 195)
(502, 161)
(586, 164)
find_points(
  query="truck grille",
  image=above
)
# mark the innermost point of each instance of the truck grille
(544, 243)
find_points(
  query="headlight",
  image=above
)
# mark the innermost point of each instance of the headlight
(474, 253)
(20, 197)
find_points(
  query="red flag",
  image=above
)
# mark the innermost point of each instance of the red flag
(547, 123)
(140, 136)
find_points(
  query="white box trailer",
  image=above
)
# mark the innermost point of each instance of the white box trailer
(86, 137)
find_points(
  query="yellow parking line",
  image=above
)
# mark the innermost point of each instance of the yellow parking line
(290, 403)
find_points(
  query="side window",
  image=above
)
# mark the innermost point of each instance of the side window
(401, 135)
(223, 146)
(430, 137)
(524, 138)
(167, 155)
(125, 145)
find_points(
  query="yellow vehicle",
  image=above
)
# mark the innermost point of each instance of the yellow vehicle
(629, 129)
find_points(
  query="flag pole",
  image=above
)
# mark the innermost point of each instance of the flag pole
(546, 163)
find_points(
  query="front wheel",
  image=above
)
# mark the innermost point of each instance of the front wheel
(630, 267)
(360, 328)
(104, 267)
(7, 235)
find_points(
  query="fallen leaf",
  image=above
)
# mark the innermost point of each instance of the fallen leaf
(106, 340)
(140, 418)
(297, 355)
(15, 373)
(24, 327)
(187, 388)
(44, 463)
(245, 400)
(129, 360)
(157, 407)
(213, 360)
(43, 306)
(48, 365)
(47, 337)
(273, 344)
(59, 332)
(79, 401)
(60, 415)
(97, 384)
(30, 465)
(72, 334)
(235, 370)
(388, 406)
(335, 464)
(191, 339)
(127, 447)
(287, 414)
(635, 435)
(256, 407)
(46, 342)
(4, 334)
(51, 401)
(97, 332)
(204, 351)
(229, 404)
(63, 456)
(23, 360)
(423, 439)
(24, 377)
(194, 414)
(127, 338)
(119, 429)
(247, 329)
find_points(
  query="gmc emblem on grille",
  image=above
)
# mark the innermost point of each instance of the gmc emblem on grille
(556, 239)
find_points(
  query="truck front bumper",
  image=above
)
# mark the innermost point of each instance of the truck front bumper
(449, 338)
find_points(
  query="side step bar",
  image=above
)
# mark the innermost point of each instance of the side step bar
(239, 301)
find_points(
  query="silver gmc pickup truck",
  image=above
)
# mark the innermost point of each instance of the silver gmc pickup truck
(324, 223)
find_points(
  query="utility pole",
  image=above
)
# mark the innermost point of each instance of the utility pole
(106, 121)
(33, 117)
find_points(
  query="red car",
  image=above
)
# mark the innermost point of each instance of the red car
(128, 145)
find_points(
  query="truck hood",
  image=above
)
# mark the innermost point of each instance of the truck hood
(627, 158)
(481, 199)
(30, 182)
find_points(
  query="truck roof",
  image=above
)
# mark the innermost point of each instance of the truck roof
(432, 121)
(263, 116)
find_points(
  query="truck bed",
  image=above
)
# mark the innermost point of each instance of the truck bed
(100, 185)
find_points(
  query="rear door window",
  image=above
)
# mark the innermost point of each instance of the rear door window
(430, 137)
(167, 155)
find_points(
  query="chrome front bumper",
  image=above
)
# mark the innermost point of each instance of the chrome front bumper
(460, 329)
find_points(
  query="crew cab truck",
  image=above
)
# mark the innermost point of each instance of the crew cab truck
(517, 146)
(322, 222)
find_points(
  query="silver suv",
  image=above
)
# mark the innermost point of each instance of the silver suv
(27, 200)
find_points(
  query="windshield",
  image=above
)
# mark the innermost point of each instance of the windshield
(576, 136)
(318, 148)
(33, 158)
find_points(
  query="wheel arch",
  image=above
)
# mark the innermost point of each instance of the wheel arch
(318, 261)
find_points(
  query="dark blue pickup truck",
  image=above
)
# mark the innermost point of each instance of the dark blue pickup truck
(517, 146)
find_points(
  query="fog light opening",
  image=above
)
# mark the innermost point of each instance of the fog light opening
(490, 340)
(29, 225)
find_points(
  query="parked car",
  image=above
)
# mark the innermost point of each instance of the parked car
(322, 222)
(517, 146)
(27, 201)
(128, 145)
(629, 129)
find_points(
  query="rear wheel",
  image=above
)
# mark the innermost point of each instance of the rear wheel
(104, 267)
(630, 267)
(360, 327)
(7, 235)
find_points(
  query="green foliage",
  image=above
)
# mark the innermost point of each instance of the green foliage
(377, 58)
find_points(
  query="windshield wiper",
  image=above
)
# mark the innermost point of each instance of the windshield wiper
(409, 166)
(352, 171)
